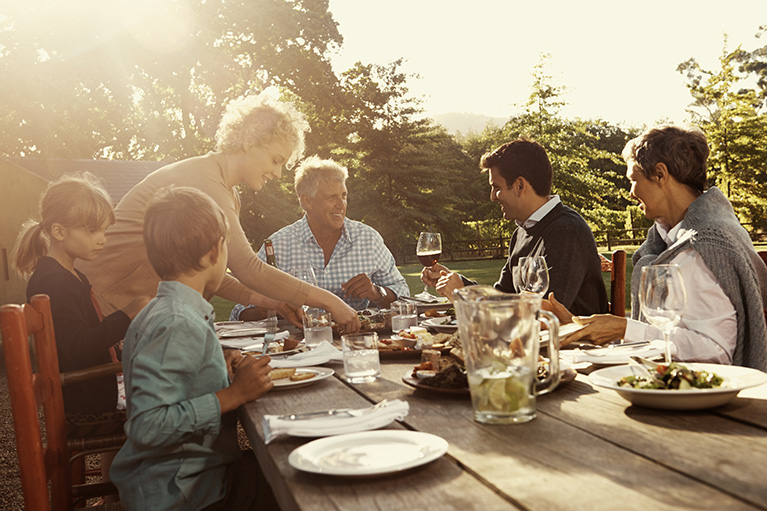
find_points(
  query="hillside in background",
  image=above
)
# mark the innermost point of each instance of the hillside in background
(465, 123)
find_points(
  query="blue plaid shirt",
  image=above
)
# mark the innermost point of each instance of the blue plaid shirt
(360, 249)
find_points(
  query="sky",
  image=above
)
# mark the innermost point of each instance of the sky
(616, 58)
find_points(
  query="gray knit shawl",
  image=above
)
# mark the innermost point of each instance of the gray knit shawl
(727, 251)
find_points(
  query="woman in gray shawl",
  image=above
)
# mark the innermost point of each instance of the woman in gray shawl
(725, 278)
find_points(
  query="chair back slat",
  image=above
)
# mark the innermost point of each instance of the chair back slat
(30, 390)
(616, 265)
(618, 283)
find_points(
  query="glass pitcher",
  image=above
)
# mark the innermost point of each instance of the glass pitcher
(500, 335)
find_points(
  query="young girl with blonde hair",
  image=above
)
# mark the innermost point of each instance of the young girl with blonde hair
(75, 212)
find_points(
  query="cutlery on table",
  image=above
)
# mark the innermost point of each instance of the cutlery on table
(344, 412)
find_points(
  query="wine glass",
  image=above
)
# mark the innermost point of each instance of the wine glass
(428, 250)
(533, 275)
(305, 273)
(662, 297)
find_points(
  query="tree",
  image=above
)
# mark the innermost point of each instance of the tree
(403, 169)
(83, 81)
(731, 116)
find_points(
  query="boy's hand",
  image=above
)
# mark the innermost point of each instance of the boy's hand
(251, 381)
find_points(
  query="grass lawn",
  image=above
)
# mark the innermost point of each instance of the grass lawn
(483, 271)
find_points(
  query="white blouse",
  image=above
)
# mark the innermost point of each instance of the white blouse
(708, 330)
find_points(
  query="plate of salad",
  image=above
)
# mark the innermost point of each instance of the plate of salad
(679, 386)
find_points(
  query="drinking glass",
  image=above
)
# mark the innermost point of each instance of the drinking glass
(404, 315)
(360, 352)
(662, 297)
(533, 275)
(318, 327)
(428, 250)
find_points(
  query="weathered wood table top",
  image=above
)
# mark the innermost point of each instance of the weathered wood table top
(587, 449)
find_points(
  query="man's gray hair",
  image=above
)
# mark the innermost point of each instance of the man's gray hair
(313, 170)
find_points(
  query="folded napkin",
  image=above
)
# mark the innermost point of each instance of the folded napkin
(251, 343)
(362, 419)
(616, 353)
(323, 353)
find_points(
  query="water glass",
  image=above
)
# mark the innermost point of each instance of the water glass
(404, 315)
(361, 362)
(317, 327)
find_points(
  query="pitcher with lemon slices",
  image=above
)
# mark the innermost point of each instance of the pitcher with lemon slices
(500, 334)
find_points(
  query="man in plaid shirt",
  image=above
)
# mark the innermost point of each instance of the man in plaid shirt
(348, 257)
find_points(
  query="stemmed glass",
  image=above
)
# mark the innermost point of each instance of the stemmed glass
(428, 250)
(663, 298)
(306, 274)
(532, 275)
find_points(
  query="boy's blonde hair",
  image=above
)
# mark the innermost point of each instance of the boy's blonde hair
(256, 120)
(76, 200)
(181, 225)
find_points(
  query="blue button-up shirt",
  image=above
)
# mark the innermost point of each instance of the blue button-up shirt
(360, 249)
(179, 446)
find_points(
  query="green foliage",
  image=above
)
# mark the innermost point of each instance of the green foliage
(732, 116)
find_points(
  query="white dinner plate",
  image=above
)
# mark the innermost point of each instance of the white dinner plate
(736, 378)
(436, 324)
(368, 453)
(320, 373)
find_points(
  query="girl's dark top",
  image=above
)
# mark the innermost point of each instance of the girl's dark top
(82, 339)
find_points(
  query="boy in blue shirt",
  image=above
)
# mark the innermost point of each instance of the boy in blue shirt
(182, 450)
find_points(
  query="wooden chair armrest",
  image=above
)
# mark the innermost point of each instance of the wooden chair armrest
(89, 373)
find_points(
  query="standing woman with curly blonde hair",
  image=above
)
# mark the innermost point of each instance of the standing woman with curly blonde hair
(256, 138)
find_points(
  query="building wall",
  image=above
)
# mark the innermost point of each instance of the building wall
(19, 196)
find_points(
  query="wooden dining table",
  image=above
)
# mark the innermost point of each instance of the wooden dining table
(587, 449)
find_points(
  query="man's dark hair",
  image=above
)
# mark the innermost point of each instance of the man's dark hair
(522, 158)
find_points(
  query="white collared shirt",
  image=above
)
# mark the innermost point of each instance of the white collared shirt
(539, 213)
(708, 331)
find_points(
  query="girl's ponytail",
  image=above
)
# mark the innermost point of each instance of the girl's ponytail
(31, 245)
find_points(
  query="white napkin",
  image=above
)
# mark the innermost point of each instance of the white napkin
(323, 353)
(616, 354)
(250, 343)
(364, 419)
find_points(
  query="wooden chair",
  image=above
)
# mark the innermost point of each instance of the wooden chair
(30, 389)
(617, 268)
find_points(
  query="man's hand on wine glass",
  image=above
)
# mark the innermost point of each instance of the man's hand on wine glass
(431, 274)
(448, 283)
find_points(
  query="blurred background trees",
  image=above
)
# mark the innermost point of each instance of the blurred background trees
(129, 85)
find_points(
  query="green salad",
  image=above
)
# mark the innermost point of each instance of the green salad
(673, 377)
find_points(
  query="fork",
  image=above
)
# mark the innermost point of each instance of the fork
(334, 412)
